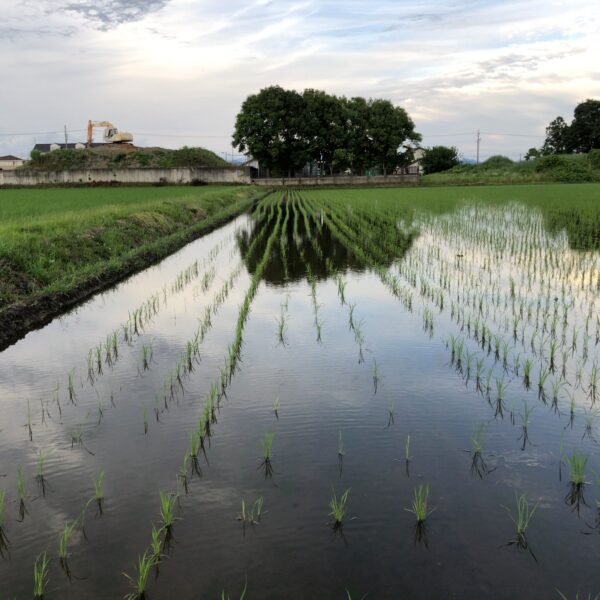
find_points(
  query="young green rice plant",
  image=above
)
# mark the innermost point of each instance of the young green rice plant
(145, 419)
(139, 582)
(375, 374)
(156, 543)
(391, 411)
(40, 576)
(593, 382)
(338, 507)
(3, 538)
(341, 287)
(276, 406)
(589, 424)
(167, 510)
(251, 515)
(99, 492)
(242, 595)
(63, 545)
(182, 474)
(420, 509)
(521, 520)
(542, 377)
(351, 307)
(71, 387)
(340, 444)
(525, 415)
(281, 326)
(527, 366)
(589, 596)
(20, 493)
(478, 464)
(194, 449)
(146, 356)
(577, 463)
(479, 373)
(40, 472)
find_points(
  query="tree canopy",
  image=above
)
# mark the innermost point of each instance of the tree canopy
(439, 158)
(284, 130)
(582, 135)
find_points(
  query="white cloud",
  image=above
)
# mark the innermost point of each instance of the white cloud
(185, 66)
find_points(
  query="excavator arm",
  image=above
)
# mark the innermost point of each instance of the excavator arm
(90, 129)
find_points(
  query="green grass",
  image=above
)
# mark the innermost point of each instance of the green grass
(53, 239)
(564, 168)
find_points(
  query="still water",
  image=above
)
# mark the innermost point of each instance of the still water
(342, 371)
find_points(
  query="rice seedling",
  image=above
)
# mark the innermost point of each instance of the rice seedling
(63, 545)
(40, 471)
(3, 538)
(340, 444)
(276, 406)
(251, 515)
(391, 411)
(589, 596)
(341, 287)
(98, 491)
(156, 544)
(167, 510)
(527, 365)
(375, 374)
(146, 356)
(145, 419)
(419, 507)
(478, 464)
(242, 595)
(338, 507)
(521, 520)
(182, 474)
(139, 582)
(71, 387)
(577, 480)
(20, 494)
(40, 576)
(349, 596)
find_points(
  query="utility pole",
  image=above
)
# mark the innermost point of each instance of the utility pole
(478, 140)
(66, 138)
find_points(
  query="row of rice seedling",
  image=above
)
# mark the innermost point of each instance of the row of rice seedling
(148, 560)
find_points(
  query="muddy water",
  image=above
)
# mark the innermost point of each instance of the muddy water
(127, 422)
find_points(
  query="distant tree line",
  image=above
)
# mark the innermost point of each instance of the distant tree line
(582, 135)
(285, 130)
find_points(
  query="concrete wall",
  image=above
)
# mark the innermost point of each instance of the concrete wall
(182, 175)
(341, 180)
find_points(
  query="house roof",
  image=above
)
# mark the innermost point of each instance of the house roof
(10, 157)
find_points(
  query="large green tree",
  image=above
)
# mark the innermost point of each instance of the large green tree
(271, 127)
(284, 130)
(584, 131)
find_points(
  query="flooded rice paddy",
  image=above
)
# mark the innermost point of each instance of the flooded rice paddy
(322, 399)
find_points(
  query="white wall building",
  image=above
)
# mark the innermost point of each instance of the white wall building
(10, 162)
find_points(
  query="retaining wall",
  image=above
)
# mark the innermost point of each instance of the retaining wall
(341, 180)
(181, 175)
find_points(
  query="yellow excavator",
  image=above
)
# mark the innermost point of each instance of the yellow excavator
(111, 134)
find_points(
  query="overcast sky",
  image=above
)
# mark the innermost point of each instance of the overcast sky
(166, 69)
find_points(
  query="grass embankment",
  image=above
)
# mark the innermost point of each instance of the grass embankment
(567, 168)
(58, 246)
(574, 208)
(124, 156)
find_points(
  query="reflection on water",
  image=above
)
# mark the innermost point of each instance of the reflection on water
(478, 333)
(307, 244)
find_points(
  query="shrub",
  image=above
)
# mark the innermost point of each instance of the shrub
(497, 162)
(549, 163)
(594, 158)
